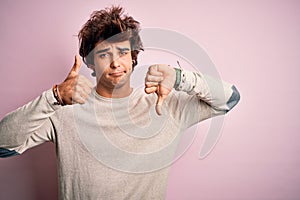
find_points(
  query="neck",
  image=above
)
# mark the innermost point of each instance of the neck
(115, 92)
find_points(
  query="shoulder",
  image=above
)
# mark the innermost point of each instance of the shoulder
(140, 96)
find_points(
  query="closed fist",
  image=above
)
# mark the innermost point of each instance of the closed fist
(75, 88)
(160, 79)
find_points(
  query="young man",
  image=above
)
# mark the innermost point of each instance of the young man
(110, 143)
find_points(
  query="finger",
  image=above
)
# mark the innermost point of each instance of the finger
(89, 83)
(77, 98)
(151, 84)
(150, 90)
(77, 64)
(81, 86)
(167, 84)
(153, 70)
(151, 78)
(87, 90)
(81, 91)
(85, 81)
(159, 103)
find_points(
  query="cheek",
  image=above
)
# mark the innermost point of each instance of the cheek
(100, 69)
(128, 62)
(100, 66)
(101, 63)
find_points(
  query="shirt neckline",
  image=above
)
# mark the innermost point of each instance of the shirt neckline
(102, 98)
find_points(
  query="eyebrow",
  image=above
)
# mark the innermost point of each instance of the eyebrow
(123, 49)
(107, 49)
(102, 50)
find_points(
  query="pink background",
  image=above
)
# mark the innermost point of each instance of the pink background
(254, 44)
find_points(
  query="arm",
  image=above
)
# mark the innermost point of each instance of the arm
(27, 126)
(221, 96)
(205, 95)
(31, 124)
(199, 96)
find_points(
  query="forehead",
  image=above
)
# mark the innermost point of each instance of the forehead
(112, 45)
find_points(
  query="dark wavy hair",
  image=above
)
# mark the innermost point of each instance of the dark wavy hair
(112, 25)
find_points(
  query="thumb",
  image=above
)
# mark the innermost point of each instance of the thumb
(77, 64)
(159, 103)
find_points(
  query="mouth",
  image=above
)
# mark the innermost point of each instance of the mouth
(117, 73)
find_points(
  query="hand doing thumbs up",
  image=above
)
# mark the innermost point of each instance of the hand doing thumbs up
(75, 88)
(160, 79)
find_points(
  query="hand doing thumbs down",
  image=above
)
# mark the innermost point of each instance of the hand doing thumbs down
(160, 79)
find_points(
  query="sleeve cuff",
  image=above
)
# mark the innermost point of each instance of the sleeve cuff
(187, 82)
(51, 99)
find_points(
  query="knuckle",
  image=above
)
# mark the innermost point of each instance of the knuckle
(81, 101)
(153, 78)
(147, 78)
(153, 69)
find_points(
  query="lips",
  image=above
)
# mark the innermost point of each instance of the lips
(117, 73)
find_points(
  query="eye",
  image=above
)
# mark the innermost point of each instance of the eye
(122, 53)
(103, 55)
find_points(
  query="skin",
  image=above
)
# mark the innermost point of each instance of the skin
(113, 67)
(160, 79)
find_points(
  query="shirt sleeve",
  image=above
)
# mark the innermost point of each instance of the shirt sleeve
(28, 126)
(203, 97)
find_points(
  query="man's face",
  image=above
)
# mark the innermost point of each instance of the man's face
(113, 64)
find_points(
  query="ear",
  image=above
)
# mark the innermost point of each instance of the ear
(92, 67)
(134, 63)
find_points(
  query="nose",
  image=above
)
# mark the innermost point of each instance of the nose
(115, 61)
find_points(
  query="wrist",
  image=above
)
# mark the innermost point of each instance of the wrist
(178, 78)
(57, 96)
(187, 82)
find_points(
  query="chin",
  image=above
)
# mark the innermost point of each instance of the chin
(119, 84)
